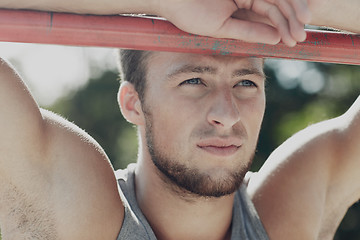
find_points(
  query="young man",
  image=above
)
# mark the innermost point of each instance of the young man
(198, 120)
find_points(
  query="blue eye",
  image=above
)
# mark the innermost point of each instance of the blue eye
(192, 81)
(246, 83)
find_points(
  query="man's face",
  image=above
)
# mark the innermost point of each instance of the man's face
(203, 116)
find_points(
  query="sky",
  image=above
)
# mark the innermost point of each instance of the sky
(50, 71)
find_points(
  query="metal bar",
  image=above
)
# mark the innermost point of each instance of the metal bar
(160, 35)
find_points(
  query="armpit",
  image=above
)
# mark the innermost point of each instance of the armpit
(22, 217)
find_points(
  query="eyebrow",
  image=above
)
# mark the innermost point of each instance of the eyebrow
(248, 71)
(211, 70)
(192, 69)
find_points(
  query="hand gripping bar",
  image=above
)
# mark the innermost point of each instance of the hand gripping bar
(156, 34)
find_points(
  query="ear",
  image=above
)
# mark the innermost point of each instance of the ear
(130, 104)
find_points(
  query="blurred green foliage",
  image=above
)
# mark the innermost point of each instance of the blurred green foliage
(95, 109)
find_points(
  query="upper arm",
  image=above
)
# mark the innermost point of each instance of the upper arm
(86, 199)
(345, 177)
(50, 166)
(21, 123)
(311, 179)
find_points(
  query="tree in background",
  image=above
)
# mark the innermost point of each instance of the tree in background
(95, 109)
(298, 94)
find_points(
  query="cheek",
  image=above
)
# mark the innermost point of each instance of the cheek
(172, 119)
(253, 113)
(167, 127)
(173, 124)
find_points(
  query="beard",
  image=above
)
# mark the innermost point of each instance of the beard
(191, 182)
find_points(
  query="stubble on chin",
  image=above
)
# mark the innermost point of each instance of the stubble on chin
(191, 183)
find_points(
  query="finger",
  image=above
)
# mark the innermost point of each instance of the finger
(248, 31)
(302, 10)
(277, 19)
(246, 4)
(296, 28)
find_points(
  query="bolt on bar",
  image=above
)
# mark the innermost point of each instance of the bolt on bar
(160, 35)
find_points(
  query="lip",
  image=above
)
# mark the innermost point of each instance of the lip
(220, 147)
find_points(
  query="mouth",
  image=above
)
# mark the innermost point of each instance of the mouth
(220, 151)
(220, 147)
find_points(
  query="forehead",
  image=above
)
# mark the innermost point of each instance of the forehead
(168, 63)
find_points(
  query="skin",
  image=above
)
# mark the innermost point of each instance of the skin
(56, 181)
(52, 173)
(220, 105)
(279, 19)
(264, 21)
(221, 112)
(73, 193)
(289, 190)
(281, 190)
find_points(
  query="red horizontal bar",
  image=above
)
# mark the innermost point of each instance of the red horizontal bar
(160, 35)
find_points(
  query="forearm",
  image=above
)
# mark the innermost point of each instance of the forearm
(83, 6)
(344, 15)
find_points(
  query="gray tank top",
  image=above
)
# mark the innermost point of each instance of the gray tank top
(246, 224)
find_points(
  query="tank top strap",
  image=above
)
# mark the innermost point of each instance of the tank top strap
(135, 226)
(246, 224)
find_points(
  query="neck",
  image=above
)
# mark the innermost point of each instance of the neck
(180, 216)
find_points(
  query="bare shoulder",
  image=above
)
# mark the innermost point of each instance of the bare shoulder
(70, 194)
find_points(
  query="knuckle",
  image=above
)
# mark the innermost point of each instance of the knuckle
(247, 4)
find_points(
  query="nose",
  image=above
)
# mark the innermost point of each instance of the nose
(224, 112)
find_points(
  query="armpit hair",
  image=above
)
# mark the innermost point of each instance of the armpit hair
(24, 218)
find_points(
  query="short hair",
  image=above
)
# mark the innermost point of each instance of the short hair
(133, 69)
(133, 66)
